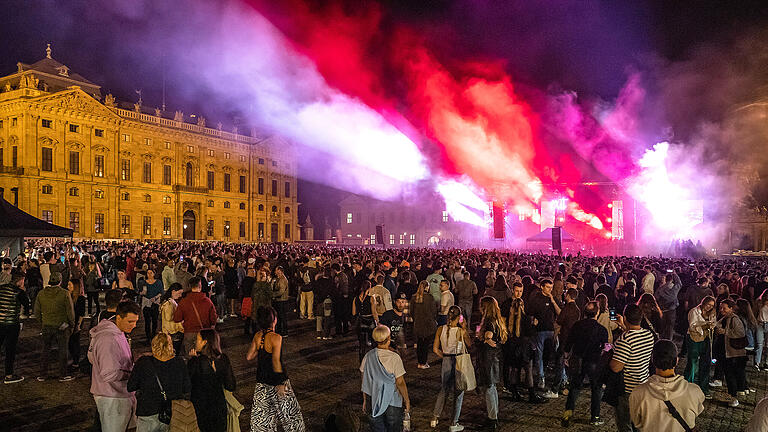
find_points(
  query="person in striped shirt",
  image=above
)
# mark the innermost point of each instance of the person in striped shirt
(632, 356)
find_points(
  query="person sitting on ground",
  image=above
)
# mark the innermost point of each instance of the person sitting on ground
(666, 400)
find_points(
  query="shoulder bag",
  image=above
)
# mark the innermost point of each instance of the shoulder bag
(465, 371)
(741, 342)
(673, 411)
(166, 408)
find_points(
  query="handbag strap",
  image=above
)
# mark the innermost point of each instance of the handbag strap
(673, 411)
(197, 314)
(162, 390)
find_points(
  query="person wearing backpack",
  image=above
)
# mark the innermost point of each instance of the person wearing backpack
(666, 402)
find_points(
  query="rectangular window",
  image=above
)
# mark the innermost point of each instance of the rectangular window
(46, 161)
(402, 239)
(226, 182)
(261, 161)
(242, 184)
(209, 228)
(227, 155)
(261, 230)
(98, 166)
(98, 132)
(147, 174)
(46, 123)
(14, 121)
(74, 221)
(349, 218)
(226, 228)
(412, 240)
(242, 229)
(274, 164)
(166, 174)
(274, 187)
(47, 216)
(146, 225)
(445, 216)
(74, 128)
(74, 162)
(125, 169)
(373, 238)
(167, 145)
(210, 152)
(148, 141)
(287, 189)
(242, 158)
(210, 180)
(261, 186)
(125, 224)
(126, 138)
(287, 231)
(166, 226)
(1, 157)
(391, 239)
(98, 223)
(15, 156)
(190, 149)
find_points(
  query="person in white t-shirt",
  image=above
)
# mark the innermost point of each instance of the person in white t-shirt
(446, 301)
(385, 394)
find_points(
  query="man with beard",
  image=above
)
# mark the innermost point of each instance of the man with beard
(395, 320)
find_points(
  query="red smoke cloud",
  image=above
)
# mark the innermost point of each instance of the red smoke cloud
(465, 115)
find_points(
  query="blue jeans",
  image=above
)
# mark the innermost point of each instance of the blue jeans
(492, 402)
(448, 374)
(541, 338)
(390, 421)
(762, 328)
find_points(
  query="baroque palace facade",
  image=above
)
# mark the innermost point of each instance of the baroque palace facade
(78, 160)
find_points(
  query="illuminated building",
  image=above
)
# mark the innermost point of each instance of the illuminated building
(77, 159)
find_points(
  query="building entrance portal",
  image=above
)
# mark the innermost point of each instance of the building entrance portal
(189, 225)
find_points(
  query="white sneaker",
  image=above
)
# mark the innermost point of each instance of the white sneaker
(716, 383)
(426, 365)
(733, 403)
(751, 390)
(456, 428)
(741, 393)
(220, 320)
(549, 394)
(433, 423)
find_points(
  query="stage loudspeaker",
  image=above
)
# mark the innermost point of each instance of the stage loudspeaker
(379, 234)
(498, 221)
(557, 243)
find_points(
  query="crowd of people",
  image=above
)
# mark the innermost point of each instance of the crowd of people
(523, 326)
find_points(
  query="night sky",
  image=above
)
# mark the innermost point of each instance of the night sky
(582, 45)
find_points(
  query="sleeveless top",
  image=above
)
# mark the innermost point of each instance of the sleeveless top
(363, 306)
(265, 373)
(449, 339)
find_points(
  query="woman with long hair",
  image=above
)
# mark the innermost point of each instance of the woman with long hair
(75, 288)
(122, 283)
(651, 313)
(163, 366)
(273, 398)
(364, 308)
(210, 373)
(450, 340)
(604, 316)
(492, 334)
(762, 328)
(423, 311)
(701, 323)
(168, 304)
(518, 352)
(151, 290)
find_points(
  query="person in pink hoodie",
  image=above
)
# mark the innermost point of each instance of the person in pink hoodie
(110, 355)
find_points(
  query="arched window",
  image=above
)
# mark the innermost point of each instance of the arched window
(166, 199)
(210, 203)
(147, 198)
(98, 194)
(242, 206)
(287, 210)
(190, 174)
(274, 209)
(226, 204)
(261, 207)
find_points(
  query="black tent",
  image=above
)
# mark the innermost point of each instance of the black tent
(15, 225)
